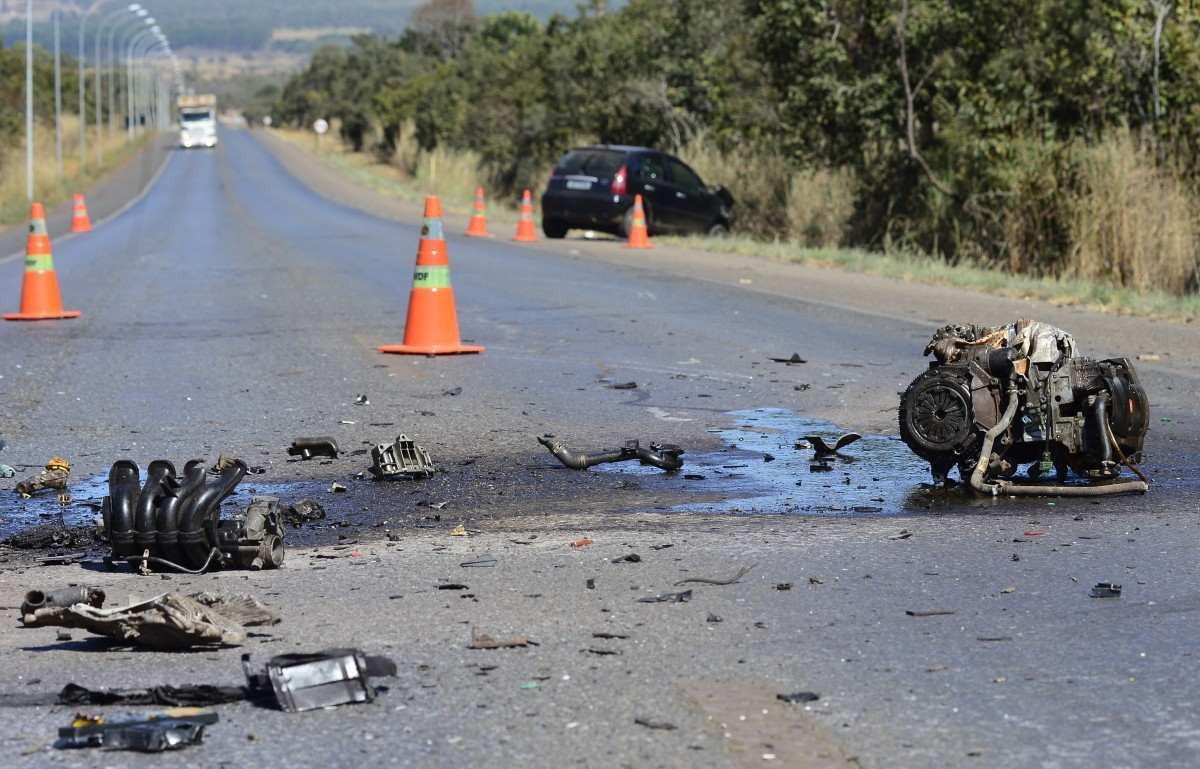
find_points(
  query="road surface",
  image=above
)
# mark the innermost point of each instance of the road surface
(233, 308)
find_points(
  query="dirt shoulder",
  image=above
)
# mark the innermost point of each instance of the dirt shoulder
(1168, 346)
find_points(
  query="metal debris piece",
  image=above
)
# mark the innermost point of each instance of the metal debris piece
(482, 561)
(54, 476)
(337, 488)
(256, 541)
(628, 558)
(681, 597)
(665, 456)
(798, 697)
(783, 586)
(167, 621)
(790, 361)
(713, 619)
(712, 581)
(459, 531)
(485, 641)
(63, 597)
(362, 400)
(821, 449)
(307, 448)
(929, 612)
(7, 471)
(154, 734)
(401, 459)
(197, 695)
(304, 511)
(308, 681)
(1106, 590)
(623, 386)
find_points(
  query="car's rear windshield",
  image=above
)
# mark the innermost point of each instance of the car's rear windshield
(590, 162)
(195, 117)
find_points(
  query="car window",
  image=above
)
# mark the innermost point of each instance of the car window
(682, 176)
(598, 163)
(652, 169)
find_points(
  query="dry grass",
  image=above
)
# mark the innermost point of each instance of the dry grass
(1134, 223)
(48, 187)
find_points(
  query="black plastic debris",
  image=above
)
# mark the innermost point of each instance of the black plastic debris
(452, 392)
(402, 458)
(713, 619)
(680, 597)
(795, 359)
(623, 386)
(362, 400)
(822, 449)
(628, 558)
(304, 511)
(196, 695)
(651, 723)
(309, 681)
(452, 586)
(717, 580)
(1106, 590)
(153, 734)
(783, 586)
(798, 697)
(45, 536)
(307, 448)
(482, 561)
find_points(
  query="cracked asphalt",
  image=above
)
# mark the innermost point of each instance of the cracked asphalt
(234, 308)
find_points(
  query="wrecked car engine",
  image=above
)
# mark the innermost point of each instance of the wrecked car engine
(174, 520)
(996, 399)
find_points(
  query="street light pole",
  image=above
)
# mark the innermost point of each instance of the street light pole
(140, 13)
(132, 8)
(29, 99)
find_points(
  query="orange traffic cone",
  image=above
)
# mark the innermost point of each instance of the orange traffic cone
(80, 221)
(477, 227)
(526, 232)
(432, 325)
(40, 298)
(639, 236)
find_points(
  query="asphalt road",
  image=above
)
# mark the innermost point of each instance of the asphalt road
(233, 309)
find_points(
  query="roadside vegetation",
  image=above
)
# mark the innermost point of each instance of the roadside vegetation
(1045, 139)
(49, 187)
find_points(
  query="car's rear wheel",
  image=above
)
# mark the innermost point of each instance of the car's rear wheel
(718, 230)
(554, 228)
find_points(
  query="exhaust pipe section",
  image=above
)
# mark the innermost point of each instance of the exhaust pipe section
(663, 456)
(1008, 488)
(174, 521)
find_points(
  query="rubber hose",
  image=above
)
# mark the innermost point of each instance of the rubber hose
(989, 438)
(197, 517)
(175, 493)
(661, 459)
(158, 474)
(1125, 487)
(122, 495)
(577, 460)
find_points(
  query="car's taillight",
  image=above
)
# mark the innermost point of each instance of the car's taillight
(618, 183)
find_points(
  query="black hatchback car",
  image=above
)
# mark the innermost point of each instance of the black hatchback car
(593, 188)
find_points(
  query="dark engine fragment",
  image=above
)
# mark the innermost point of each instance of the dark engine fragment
(997, 399)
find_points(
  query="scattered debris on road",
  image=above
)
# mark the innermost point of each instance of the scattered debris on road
(337, 488)
(309, 681)
(792, 361)
(362, 400)
(45, 536)
(664, 456)
(651, 723)
(168, 621)
(681, 597)
(581, 543)
(307, 448)
(821, 449)
(147, 734)
(54, 476)
(485, 641)
(189, 695)
(796, 698)
(482, 561)
(61, 598)
(628, 558)
(401, 459)
(623, 386)
(7, 471)
(716, 581)
(304, 511)
(929, 612)
(1106, 590)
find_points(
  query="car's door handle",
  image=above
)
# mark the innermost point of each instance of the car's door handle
(648, 187)
(680, 195)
